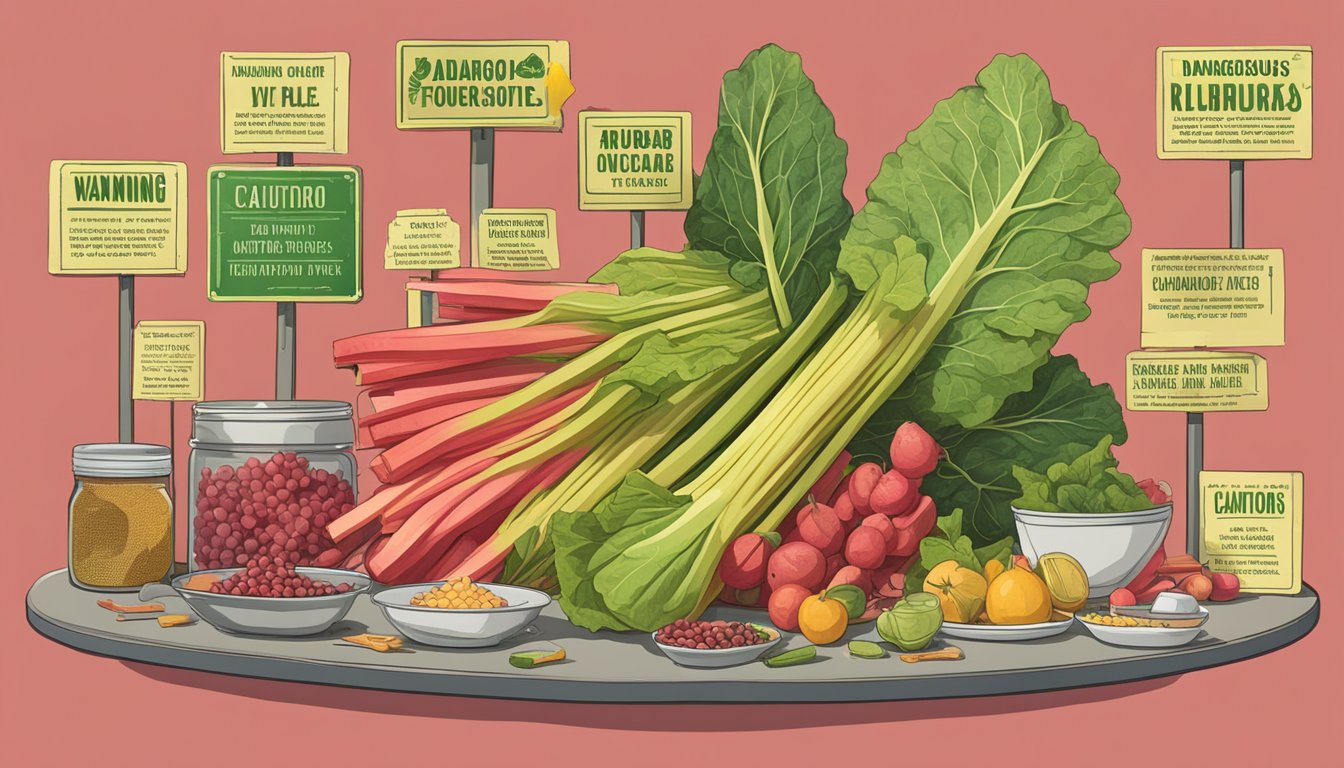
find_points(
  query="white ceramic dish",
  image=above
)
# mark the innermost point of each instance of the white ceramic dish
(1005, 632)
(1112, 548)
(1146, 637)
(285, 616)
(464, 627)
(718, 658)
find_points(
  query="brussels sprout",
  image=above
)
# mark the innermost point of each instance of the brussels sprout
(911, 624)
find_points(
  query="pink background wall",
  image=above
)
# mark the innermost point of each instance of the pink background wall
(139, 81)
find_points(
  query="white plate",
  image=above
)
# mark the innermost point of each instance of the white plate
(717, 658)
(1005, 632)
(1146, 637)
(461, 627)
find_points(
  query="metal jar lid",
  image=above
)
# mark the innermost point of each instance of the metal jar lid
(299, 424)
(122, 460)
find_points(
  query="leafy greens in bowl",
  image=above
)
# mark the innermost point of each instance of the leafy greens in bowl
(1088, 484)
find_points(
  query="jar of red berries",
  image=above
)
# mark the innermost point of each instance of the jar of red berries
(270, 476)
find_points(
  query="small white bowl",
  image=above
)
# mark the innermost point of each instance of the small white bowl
(1111, 547)
(1005, 632)
(461, 627)
(284, 616)
(1145, 637)
(718, 658)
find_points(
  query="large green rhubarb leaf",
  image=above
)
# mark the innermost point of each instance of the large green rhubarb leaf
(1001, 175)
(771, 195)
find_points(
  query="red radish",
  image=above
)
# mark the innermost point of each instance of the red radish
(1157, 587)
(913, 451)
(852, 574)
(1123, 596)
(743, 564)
(845, 512)
(912, 528)
(784, 604)
(865, 547)
(1149, 571)
(1226, 586)
(822, 529)
(1157, 491)
(861, 485)
(882, 524)
(797, 562)
(894, 495)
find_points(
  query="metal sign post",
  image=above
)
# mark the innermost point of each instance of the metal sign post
(636, 229)
(286, 356)
(482, 182)
(125, 357)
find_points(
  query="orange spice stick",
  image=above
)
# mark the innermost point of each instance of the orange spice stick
(117, 608)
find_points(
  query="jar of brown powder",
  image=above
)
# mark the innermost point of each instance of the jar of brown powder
(121, 517)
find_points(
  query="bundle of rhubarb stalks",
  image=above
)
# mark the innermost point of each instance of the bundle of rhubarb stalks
(608, 440)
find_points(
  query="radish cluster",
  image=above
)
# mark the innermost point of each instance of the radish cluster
(867, 534)
(277, 507)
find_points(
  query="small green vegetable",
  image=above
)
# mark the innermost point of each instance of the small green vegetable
(1089, 483)
(864, 649)
(530, 659)
(531, 67)
(793, 658)
(911, 624)
(851, 597)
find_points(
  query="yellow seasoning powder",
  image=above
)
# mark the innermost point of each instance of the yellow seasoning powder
(121, 531)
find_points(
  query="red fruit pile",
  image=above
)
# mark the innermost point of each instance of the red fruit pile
(265, 576)
(1178, 573)
(278, 507)
(863, 529)
(708, 635)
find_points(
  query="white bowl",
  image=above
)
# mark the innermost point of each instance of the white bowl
(1112, 548)
(461, 627)
(286, 616)
(1146, 637)
(717, 658)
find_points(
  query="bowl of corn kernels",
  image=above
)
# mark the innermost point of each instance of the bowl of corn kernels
(460, 613)
(1153, 631)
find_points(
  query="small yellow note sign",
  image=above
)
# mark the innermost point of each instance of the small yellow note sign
(112, 217)
(1234, 102)
(634, 161)
(482, 83)
(1196, 382)
(169, 360)
(1203, 297)
(521, 239)
(423, 238)
(1250, 524)
(284, 102)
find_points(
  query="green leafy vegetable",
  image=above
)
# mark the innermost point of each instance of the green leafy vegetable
(1062, 415)
(946, 542)
(1088, 483)
(771, 195)
(531, 67)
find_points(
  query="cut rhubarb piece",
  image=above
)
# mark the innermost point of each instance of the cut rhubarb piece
(425, 343)
(491, 378)
(377, 432)
(456, 314)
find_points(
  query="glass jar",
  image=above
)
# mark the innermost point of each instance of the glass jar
(121, 518)
(269, 476)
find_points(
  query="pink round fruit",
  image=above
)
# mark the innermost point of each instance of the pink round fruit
(852, 574)
(784, 604)
(881, 524)
(845, 511)
(914, 453)
(743, 565)
(861, 484)
(865, 547)
(798, 563)
(894, 495)
(822, 529)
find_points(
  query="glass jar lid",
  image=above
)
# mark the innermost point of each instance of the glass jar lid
(299, 424)
(122, 460)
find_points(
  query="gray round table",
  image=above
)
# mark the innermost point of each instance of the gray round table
(612, 667)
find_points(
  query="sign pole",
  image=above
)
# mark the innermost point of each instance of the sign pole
(125, 361)
(482, 182)
(637, 229)
(285, 318)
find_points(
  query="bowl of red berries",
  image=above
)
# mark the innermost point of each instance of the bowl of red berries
(714, 644)
(271, 596)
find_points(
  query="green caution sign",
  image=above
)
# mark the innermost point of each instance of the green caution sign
(285, 234)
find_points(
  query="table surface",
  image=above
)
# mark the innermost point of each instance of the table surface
(615, 667)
